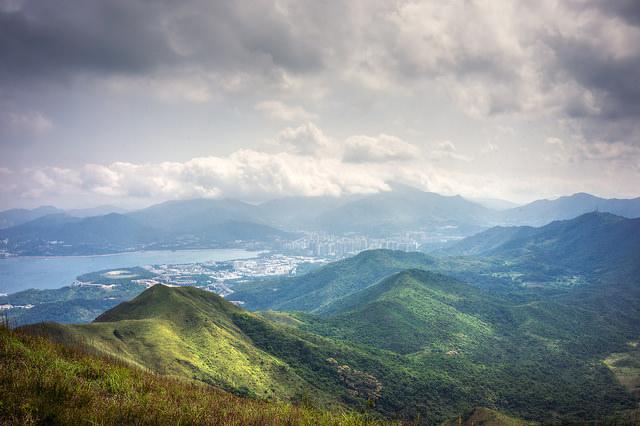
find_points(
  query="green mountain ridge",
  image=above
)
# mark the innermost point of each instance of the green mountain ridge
(186, 332)
(316, 290)
(593, 243)
(409, 311)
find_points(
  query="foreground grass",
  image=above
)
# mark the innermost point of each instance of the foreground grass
(42, 382)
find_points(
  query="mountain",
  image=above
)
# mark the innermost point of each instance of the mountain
(14, 217)
(184, 224)
(188, 216)
(95, 211)
(63, 234)
(42, 382)
(592, 243)
(541, 212)
(188, 332)
(494, 203)
(487, 417)
(410, 311)
(314, 291)
(208, 220)
(415, 345)
(405, 208)
(299, 213)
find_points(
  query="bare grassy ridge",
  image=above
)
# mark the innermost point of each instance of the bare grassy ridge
(42, 382)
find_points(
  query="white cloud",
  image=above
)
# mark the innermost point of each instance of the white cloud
(245, 174)
(363, 149)
(279, 111)
(490, 148)
(306, 139)
(446, 150)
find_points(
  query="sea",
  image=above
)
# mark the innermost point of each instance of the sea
(22, 273)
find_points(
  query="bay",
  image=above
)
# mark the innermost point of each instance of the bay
(22, 273)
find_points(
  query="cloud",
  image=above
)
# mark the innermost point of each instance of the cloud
(306, 139)
(611, 154)
(565, 68)
(446, 150)
(383, 148)
(496, 57)
(42, 41)
(576, 58)
(279, 111)
(245, 174)
(490, 148)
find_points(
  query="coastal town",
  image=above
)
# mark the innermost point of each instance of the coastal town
(214, 276)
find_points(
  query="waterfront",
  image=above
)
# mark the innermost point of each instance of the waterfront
(21, 273)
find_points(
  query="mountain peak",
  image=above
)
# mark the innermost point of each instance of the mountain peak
(160, 301)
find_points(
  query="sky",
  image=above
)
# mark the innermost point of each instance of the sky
(132, 102)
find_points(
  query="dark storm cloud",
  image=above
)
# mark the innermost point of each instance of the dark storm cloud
(42, 39)
(627, 10)
(470, 44)
(612, 76)
(48, 38)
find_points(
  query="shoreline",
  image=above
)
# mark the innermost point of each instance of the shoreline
(130, 252)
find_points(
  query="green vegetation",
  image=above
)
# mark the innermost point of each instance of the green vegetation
(626, 367)
(487, 417)
(408, 312)
(46, 383)
(417, 345)
(74, 304)
(315, 290)
(592, 245)
(185, 332)
(388, 333)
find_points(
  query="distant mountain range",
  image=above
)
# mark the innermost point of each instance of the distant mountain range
(212, 222)
(14, 217)
(61, 234)
(542, 212)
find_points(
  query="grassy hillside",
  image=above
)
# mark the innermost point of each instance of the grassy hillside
(316, 290)
(186, 332)
(45, 383)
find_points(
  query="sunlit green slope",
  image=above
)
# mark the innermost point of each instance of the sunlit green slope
(187, 332)
(48, 384)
